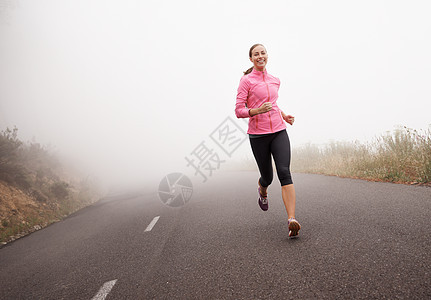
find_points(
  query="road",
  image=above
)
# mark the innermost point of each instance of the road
(360, 240)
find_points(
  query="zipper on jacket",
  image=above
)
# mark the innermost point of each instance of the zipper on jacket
(267, 89)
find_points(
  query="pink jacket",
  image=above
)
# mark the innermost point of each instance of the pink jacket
(254, 89)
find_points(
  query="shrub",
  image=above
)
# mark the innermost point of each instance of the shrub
(36, 194)
(60, 189)
(10, 167)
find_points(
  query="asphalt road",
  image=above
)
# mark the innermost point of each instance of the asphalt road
(360, 240)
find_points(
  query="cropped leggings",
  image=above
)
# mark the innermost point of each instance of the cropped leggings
(278, 145)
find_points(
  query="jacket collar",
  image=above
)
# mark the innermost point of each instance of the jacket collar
(259, 73)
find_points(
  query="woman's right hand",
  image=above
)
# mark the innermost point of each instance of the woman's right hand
(265, 107)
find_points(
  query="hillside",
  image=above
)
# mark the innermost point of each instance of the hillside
(36, 189)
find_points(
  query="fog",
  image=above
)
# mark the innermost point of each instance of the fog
(127, 89)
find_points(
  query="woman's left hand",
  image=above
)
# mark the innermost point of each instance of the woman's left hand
(289, 119)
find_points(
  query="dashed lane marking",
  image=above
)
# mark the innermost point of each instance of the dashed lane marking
(104, 290)
(153, 222)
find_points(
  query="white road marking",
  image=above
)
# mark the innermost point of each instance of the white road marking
(153, 222)
(104, 290)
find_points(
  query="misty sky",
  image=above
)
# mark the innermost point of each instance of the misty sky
(129, 88)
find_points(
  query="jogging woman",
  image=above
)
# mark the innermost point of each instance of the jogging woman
(257, 100)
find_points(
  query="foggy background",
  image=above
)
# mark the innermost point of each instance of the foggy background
(126, 89)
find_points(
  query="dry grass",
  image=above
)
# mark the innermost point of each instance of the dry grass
(403, 156)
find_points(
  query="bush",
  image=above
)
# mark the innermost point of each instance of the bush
(36, 194)
(60, 189)
(10, 168)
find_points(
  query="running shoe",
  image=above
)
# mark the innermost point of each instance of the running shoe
(294, 227)
(263, 200)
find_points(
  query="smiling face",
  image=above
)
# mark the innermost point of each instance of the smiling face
(259, 57)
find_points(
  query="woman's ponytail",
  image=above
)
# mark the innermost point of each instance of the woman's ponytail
(248, 71)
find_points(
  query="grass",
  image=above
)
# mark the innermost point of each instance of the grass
(403, 156)
(16, 227)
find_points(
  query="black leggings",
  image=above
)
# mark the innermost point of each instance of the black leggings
(278, 145)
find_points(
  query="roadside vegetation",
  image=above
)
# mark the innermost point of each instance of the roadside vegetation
(36, 189)
(403, 156)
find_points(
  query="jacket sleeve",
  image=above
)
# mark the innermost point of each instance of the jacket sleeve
(241, 109)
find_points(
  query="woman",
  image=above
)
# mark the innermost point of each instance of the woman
(257, 100)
